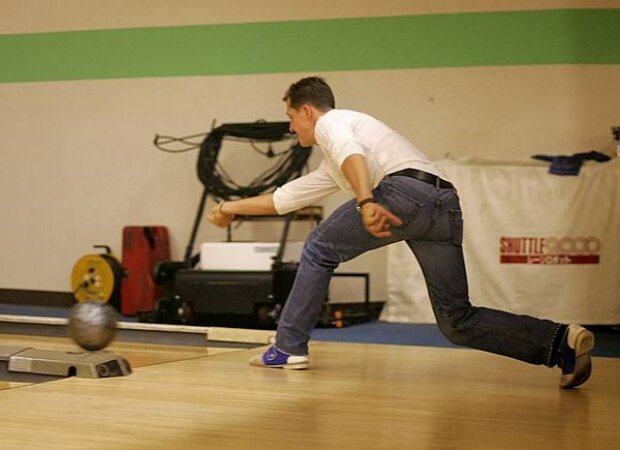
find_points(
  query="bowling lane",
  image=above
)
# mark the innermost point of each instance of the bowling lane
(138, 354)
(356, 396)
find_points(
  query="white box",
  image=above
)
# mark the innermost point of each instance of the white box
(236, 256)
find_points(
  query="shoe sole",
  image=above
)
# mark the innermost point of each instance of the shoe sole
(298, 366)
(584, 343)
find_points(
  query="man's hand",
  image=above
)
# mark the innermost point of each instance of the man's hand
(219, 218)
(378, 220)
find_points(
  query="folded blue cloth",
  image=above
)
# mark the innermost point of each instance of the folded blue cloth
(570, 165)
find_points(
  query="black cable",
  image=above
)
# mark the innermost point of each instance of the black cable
(289, 163)
(162, 141)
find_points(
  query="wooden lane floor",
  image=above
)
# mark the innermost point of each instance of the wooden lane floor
(356, 396)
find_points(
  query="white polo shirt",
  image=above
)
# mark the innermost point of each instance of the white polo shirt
(340, 133)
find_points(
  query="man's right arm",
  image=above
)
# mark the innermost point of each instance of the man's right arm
(225, 211)
(305, 191)
(295, 194)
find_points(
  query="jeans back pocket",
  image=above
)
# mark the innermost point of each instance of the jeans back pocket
(401, 204)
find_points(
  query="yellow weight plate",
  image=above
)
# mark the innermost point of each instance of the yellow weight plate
(92, 278)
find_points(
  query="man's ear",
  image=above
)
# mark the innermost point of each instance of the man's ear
(307, 110)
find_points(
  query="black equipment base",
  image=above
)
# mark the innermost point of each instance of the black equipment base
(225, 298)
(249, 299)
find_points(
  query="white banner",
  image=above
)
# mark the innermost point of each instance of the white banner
(534, 243)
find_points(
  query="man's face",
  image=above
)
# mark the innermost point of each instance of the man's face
(302, 123)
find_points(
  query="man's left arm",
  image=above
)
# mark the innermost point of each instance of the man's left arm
(377, 219)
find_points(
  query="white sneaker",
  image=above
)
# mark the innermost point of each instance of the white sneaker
(275, 358)
(575, 356)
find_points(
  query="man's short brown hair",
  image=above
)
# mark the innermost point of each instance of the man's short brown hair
(311, 90)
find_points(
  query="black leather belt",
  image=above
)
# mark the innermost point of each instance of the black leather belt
(423, 176)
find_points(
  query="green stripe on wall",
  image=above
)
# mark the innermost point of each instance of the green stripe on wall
(441, 40)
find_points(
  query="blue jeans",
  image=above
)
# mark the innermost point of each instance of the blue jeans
(433, 229)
